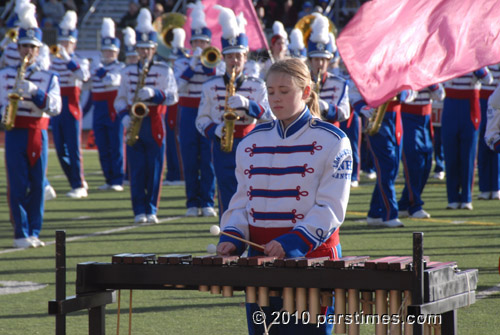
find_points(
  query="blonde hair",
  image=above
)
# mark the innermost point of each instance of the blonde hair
(301, 77)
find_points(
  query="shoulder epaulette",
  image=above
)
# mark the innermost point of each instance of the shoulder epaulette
(319, 124)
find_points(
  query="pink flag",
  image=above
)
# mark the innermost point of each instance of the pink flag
(391, 45)
(256, 38)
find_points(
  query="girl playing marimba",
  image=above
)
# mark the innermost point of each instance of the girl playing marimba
(293, 183)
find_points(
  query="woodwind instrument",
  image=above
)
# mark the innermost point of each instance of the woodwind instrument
(139, 110)
(376, 119)
(229, 117)
(9, 116)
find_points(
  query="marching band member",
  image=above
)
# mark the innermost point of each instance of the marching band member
(296, 48)
(249, 102)
(66, 127)
(292, 213)
(461, 118)
(10, 57)
(108, 130)
(279, 48)
(333, 90)
(492, 133)
(26, 144)
(195, 148)
(145, 157)
(417, 150)
(437, 110)
(174, 174)
(488, 161)
(385, 147)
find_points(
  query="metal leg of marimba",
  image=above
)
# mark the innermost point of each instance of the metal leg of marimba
(380, 310)
(339, 327)
(408, 328)
(394, 306)
(289, 299)
(353, 308)
(314, 304)
(263, 296)
(301, 301)
(367, 302)
(251, 295)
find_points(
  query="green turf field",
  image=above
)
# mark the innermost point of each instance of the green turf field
(472, 238)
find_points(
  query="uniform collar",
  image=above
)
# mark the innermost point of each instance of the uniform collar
(297, 124)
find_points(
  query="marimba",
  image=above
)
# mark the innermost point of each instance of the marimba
(411, 287)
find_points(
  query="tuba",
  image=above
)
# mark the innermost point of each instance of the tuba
(9, 117)
(376, 119)
(304, 25)
(229, 117)
(139, 110)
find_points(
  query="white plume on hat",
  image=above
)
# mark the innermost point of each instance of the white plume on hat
(242, 22)
(27, 17)
(19, 4)
(296, 40)
(319, 30)
(197, 15)
(279, 29)
(108, 28)
(43, 58)
(333, 42)
(69, 20)
(144, 20)
(128, 36)
(179, 38)
(228, 22)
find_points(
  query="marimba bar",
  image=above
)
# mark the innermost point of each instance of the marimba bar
(395, 285)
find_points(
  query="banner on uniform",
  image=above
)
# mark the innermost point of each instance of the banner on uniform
(256, 38)
(391, 45)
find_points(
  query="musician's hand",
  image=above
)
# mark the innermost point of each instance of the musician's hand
(195, 58)
(101, 72)
(28, 87)
(218, 130)
(367, 111)
(126, 121)
(146, 93)
(238, 101)
(274, 248)
(64, 54)
(323, 105)
(226, 249)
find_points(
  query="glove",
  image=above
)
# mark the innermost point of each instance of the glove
(28, 87)
(146, 93)
(323, 105)
(238, 102)
(64, 54)
(101, 72)
(195, 58)
(218, 130)
(367, 111)
(126, 121)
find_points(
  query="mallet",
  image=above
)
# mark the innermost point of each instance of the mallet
(215, 230)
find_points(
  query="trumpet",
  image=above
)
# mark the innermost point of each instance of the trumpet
(230, 118)
(55, 50)
(10, 37)
(210, 57)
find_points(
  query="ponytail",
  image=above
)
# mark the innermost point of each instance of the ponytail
(313, 104)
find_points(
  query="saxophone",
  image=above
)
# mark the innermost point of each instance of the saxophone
(229, 117)
(139, 110)
(377, 117)
(9, 116)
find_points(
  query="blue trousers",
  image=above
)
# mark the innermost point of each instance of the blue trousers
(353, 132)
(145, 159)
(199, 173)
(109, 140)
(459, 145)
(487, 160)
(438, 150)
(386, 154)
(417, 160)
(25, 188)
(66, 131)
(224, 165)
(173, 150)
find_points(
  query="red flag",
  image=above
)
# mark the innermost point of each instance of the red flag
(391, 45)
(256, 38)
